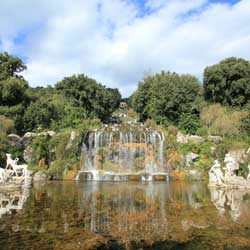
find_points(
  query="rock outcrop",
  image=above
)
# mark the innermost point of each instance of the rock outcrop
(14, 139)
(39, 176)
(29, 154)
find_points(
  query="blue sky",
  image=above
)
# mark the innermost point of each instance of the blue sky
(117, 42)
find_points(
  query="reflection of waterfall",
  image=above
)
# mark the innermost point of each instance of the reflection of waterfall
(116, 208)
(12, 200)
(121, 150)
(135, 210)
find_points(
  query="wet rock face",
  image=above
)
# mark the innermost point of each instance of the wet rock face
(29, 154)
(39, 176)
(72, 138)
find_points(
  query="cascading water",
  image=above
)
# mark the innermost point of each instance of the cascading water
(123, 152)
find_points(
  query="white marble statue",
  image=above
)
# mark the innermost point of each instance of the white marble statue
(10, 162)
(215, 175)
(15, 167)
(248, 151)
(2, 174)
(248, 176)
(231, 166)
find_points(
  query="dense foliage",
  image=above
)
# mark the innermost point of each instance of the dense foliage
(67, 105)
(228, 82)
(220, 107)
(166, 97)
(94, 99)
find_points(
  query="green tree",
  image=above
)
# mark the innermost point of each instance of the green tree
(10, 66)
(84, 92)
(40, 114)
(166, 96)
(13, 87)
(228, 82)
(12, 91)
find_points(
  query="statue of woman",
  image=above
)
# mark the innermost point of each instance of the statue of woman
(215, 174)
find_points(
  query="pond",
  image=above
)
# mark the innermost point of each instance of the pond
(124, 215)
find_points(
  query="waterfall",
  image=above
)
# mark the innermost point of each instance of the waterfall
(123, 152)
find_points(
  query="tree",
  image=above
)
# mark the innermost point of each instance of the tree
(166, 96)
(10, 66)
(84, 92)
(40, 114)
(228, 82)
(12, 91)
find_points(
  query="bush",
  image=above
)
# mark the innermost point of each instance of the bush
(189, 123)
(220, 120)
(56, 170)
(6, 125)
(40, 145)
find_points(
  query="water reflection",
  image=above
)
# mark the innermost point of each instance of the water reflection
(234, 199)
(12, 200)
(111, 215)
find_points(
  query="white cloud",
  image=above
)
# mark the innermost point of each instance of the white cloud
(109, 40)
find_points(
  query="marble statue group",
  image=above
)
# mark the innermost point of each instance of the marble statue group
(229, 178)
(13, 170)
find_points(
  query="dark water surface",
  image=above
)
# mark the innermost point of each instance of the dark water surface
(109, 215)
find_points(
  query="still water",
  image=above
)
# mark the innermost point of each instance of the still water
(112, 215)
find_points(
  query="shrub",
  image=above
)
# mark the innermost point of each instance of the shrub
(6, 125)
(189, 123)
(221, 121)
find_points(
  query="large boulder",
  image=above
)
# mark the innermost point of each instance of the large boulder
(181, 138)
(40, 176)
(29, 154)
(214, 138)
(26, 139)
(190, 158)
(195, 138)
(238, 155)
(14, 139)
(49, 133)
